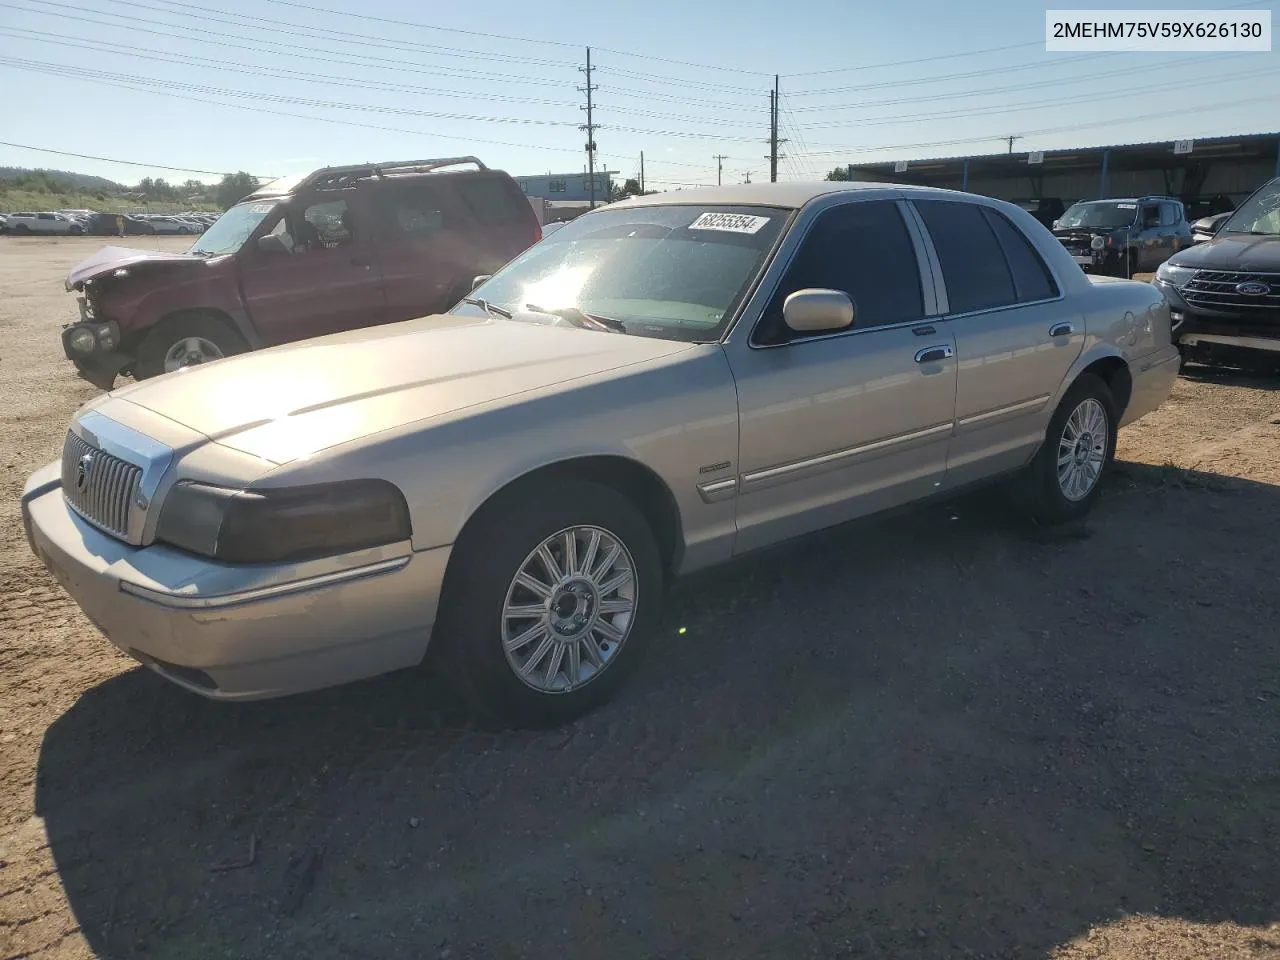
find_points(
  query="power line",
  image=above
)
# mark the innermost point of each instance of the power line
(70, 74)
(126, 163)
(915, 60)
(292, 49)
(1182, 112)
(182, 59)
(40, 67)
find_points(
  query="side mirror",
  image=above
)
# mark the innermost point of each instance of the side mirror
(273, 243)
(480, 279)
(814, 309)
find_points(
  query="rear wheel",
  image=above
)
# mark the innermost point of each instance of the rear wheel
(184, 341)
(550, 598)
(1064, 479)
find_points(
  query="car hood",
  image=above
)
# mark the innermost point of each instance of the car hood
(1073, 233)
(293, 401)
(109, 259)
(1234, 251)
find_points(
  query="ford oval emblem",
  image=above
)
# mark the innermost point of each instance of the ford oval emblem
(1252, 288)
(83, 468)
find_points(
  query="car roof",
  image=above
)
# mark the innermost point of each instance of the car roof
(1131, 199)
(789, 194)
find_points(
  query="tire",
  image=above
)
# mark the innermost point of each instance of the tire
(208, 329)
(1040, 491)
(475, 625)
(76, 231)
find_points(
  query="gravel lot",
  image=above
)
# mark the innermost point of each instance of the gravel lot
(935, 735)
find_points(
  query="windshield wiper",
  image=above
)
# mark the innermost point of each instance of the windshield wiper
(488, 307)
(588, 321)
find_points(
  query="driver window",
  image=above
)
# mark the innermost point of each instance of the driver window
(322, 226)
(864, 249)
(1150, 215)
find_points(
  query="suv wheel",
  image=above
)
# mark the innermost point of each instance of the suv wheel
(185, 341)
(549, 602)
(1063, 480)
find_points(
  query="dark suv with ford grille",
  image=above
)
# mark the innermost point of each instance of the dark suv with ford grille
(1224, 294)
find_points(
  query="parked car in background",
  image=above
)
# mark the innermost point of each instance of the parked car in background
(1204, 228)
(1044, 209)
(664, 384)
(4, 222)
(1225, 292)
(49, 224)
(1123, 237)
(339, 248)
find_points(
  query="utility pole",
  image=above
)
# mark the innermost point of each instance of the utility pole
(1011, 139)
(590, 127)
(642, 172)
(719, 158)
(773, 131)
(747, 174)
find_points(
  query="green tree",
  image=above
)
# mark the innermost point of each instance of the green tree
(234, 188)
(839, 173)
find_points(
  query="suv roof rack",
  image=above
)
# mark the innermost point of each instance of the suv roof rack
(341, 176)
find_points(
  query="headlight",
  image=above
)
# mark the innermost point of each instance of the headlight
(108, 334)
(1097, 243)
(283, 524)
(1174, 276)
(82, 340)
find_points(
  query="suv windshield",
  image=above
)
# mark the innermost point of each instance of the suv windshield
(229, 232)
(1259, 214)
(1099, 213)
(674, 272)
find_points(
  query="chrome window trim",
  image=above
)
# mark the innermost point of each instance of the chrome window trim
(182, 602)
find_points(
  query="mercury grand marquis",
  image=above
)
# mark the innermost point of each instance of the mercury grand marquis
(664, 384)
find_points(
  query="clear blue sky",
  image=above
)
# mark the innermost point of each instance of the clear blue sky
(108, 77)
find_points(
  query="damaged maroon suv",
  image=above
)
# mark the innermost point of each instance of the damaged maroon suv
(341, 248)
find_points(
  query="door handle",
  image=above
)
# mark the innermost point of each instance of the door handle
(1061, 330)
(942, 351)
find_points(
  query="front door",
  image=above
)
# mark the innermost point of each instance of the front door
(1151, 244)
(840, 424)
(1016, 337)
(320, 278)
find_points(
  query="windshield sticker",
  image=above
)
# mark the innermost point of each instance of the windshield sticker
(1126, 206)
(729, 222)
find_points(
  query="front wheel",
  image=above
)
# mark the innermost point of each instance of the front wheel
(1063, 480)
(186, 341)
(550, 598)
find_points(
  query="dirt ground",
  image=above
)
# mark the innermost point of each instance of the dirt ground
(933, 736)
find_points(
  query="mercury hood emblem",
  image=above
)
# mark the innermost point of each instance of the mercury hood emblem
(83, 469)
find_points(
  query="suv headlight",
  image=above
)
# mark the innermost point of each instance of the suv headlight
(1097, 243)
(277, 525)
(1173, 275)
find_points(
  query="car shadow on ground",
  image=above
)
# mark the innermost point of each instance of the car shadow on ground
(1230, 376)
(936, 735)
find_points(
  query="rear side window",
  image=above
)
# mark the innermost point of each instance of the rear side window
(415, 210)
(973, 264)
(1031, 278)
(1168, 215)
(492, 202)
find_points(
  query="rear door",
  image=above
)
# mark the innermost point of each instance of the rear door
(497, 221)
(1151, 242)
(425, 267)
(323, 279)
(1170, 229)
(1016, 337)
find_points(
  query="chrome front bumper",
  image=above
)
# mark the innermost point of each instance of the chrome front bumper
(232, 632)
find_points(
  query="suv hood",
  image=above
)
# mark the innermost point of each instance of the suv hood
(109, 259)
(295, 400)
(1233, 251)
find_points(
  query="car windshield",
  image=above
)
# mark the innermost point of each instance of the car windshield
(675, 272)
(1099, 213)
(230, 231)
(1259, 214)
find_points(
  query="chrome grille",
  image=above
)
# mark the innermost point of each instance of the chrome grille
(98, 486)
(1216, 289)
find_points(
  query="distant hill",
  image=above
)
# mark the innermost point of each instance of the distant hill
(80, 181)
